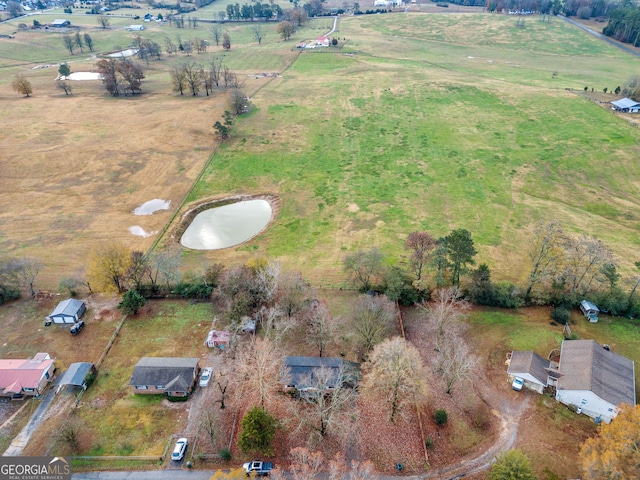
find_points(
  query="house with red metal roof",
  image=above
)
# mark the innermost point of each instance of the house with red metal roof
(25, 377)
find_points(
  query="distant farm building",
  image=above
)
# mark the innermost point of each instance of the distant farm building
(135, 28)
(60, 23)
(626, 105)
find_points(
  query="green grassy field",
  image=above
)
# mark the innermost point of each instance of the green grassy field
(421, 128)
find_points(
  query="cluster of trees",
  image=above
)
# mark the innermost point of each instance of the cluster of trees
(79, 41)
(193, 77)
(253, 11)
(562, 269)
(120, 76)
(16, 273)
(624, 24)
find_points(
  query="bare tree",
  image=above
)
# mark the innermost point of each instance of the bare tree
(258, 373)
(88, 41)
(420, 244)
(216, 69)
(209, 426)
(226, 41)
(339, 470)
(363, 267)
(267, 278)
(170, 47)
(138, 269)
(237, 101)
(69, 43)
(164, 267)
(395, 375)
(27, 269)
(584, 257)
(187, 47)
(178, 79)
(236, 293)
(275, 323)
(192, 77)
(21, 85)
(327, 401)
(455, 363)
(545, 254)
(306, 465)
(295, 296)
(321, 328)
(63, 85)
(258, 32)
(77, 39)
(103, 21)
(447, 310)
(216, 33)
(371, 320)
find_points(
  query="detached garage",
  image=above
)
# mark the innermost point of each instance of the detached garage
(67, 311)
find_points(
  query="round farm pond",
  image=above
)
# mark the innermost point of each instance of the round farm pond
(227, 226)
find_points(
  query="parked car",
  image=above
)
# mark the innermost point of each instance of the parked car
(180, 449)
(76, 327)
(517, 384)
(206, 376)
(257, 468)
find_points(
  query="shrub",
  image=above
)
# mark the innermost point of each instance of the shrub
(225, 454)
(8, 293)
(441, 417)
(573, 336)
(429, 442)
(561, 315)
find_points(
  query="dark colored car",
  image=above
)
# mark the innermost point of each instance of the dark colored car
(76, 327)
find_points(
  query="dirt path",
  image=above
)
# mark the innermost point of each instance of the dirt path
(509, 411)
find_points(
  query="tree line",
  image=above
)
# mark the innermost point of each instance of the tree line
(562, 268)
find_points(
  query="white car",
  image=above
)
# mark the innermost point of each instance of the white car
(517, 384)
(206, 376)
(180, 449)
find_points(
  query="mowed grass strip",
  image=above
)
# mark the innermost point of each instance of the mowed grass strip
(395, 146)
(131, 424)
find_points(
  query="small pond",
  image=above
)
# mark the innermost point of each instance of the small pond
(148, 208)
(226, 226)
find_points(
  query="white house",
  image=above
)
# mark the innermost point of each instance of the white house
(594, 379)
(626, 105)
(530, 367)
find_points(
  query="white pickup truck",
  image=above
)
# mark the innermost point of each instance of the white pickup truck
(257, 468)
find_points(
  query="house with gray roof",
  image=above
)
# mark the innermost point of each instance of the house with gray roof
(626, 105)
(174, 377)
(304, 373)
(530, 367)
(67, 311)
(594, 379)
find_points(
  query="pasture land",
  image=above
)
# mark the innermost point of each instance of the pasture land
(425, 123)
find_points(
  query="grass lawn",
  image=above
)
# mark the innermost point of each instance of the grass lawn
(131, 424)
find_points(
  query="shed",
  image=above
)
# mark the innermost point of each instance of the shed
(626, 105)
(60, 22)
(135, 28)
(217, 338)
(590, 310)
(67, 311)
(530, 367)
(77, 375)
